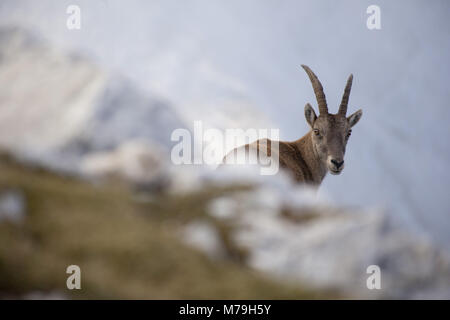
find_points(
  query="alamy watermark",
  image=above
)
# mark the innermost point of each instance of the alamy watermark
(374, 19)
(210, 146)
(73, 22)
(374, 280)
(74, 280)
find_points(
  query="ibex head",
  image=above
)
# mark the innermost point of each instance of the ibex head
(330, 132)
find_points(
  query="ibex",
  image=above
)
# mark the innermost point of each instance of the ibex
(322, 149)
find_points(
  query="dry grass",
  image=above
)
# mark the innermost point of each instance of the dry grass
(126, 249)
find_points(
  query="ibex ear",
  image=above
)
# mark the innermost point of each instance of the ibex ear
(310, 115)
(354, 118)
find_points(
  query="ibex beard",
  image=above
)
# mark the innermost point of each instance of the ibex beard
(322, 149)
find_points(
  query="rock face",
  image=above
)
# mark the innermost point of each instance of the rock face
(335, 251)
(331, 247)
(141, 163)
(12, 206)
(56, 108)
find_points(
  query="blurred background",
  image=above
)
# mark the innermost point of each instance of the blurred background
(81, 107)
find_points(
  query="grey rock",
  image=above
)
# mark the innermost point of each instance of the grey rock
(74, 109)
(12, 206)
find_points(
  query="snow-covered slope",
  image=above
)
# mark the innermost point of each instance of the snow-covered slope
(56, 108)
(219, 61)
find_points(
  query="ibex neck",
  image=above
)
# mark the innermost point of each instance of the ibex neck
(311, 157)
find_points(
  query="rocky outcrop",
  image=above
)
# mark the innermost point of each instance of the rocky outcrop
(56, 108)
(291, 233)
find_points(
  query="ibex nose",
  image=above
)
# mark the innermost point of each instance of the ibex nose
(338, 164)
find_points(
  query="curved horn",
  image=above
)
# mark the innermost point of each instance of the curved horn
(344, 102)
(318, 90)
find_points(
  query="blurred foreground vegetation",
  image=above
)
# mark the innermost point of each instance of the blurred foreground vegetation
(127, 247)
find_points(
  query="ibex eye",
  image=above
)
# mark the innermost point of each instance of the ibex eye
(349, 133)
(316, 132)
